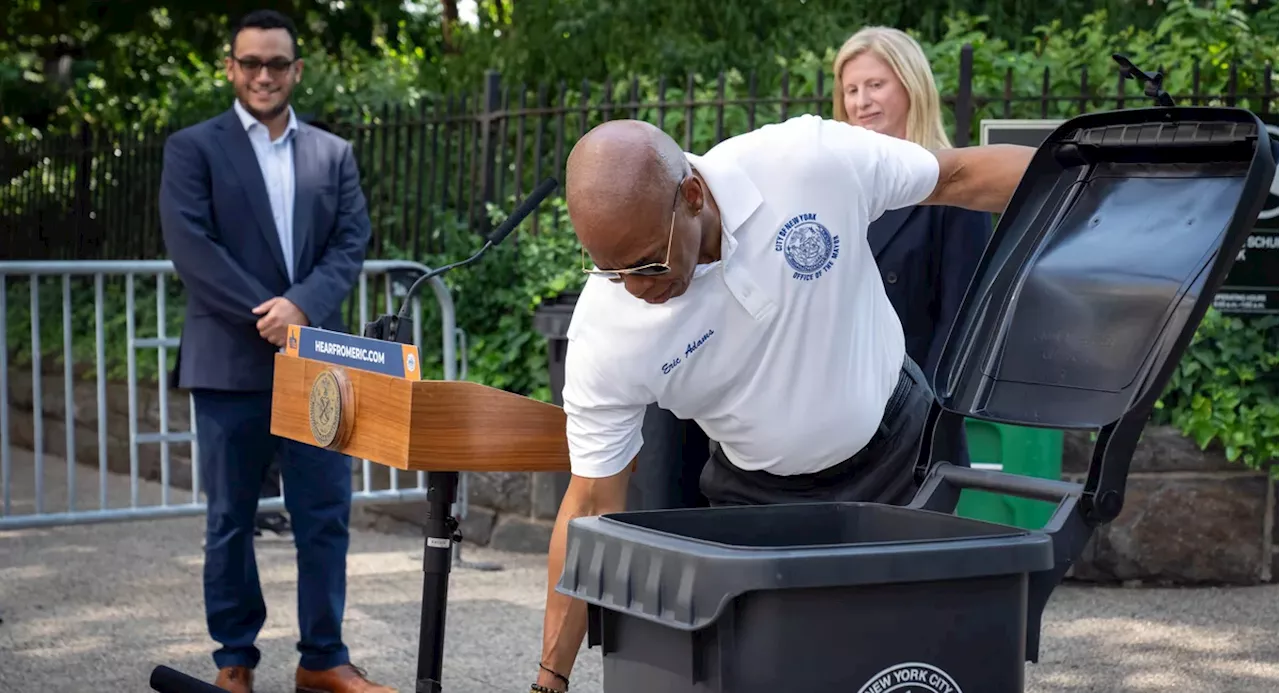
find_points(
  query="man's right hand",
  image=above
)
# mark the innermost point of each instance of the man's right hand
(565, 623)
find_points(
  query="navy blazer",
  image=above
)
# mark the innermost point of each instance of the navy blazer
(221, 236)
(927, 256)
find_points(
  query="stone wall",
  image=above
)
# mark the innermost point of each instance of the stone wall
(85, 416)
(1190, 517)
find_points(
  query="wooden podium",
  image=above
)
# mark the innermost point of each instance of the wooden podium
(366, 398)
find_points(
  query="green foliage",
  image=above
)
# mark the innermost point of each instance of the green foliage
(189, 88)
(584, 39)
(74, 61)
(1224, 391)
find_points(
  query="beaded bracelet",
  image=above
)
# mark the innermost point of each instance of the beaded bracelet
(556, 674)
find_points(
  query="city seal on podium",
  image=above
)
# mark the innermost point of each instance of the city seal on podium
(331, 408)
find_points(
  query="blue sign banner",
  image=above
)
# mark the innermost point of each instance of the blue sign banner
(388, 358)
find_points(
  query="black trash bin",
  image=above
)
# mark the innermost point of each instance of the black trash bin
(674, 450)
(1092, 286)
(808, 597)
(551, 320)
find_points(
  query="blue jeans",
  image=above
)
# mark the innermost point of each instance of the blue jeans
(236, 448)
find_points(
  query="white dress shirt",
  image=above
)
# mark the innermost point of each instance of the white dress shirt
(275, 158)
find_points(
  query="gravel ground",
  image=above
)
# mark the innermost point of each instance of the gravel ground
(95, 607)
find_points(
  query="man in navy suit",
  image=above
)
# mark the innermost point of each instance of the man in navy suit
(266, 224)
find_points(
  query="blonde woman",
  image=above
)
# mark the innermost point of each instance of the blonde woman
(926, 254)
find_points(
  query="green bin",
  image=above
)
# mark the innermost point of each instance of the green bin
(1034, 452)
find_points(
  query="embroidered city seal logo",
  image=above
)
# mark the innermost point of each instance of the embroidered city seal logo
(809, 248)
(911, 677)
(330, 408)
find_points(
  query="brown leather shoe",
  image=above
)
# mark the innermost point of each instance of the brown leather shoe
(340, 679)
(235, 679)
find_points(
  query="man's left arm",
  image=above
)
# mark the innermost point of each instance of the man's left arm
(339, 263)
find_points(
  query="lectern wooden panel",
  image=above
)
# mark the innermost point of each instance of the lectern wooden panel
(411, 424)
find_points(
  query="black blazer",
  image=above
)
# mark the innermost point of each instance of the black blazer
(927, 255)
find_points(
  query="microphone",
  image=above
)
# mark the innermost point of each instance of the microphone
(398, 328)
(166, 680)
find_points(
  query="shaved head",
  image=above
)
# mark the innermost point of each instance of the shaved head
(634, 200)
(623, 169)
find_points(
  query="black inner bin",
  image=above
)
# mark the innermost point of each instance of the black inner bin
(812, 524)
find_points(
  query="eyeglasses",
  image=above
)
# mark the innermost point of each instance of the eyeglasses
(276, 67)
(652, 269)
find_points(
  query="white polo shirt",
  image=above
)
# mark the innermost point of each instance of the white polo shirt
(787, 349)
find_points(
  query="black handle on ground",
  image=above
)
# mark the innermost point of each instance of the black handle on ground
(166, 680)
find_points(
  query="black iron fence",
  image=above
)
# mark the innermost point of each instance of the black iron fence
(432, 167)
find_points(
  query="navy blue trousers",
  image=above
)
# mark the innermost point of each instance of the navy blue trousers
(236, 449)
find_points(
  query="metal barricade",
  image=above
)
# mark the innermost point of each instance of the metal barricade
(396, 277)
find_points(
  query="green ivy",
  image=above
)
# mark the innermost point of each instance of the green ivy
(1224, 391)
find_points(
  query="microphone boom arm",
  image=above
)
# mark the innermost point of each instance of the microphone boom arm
(388, 327)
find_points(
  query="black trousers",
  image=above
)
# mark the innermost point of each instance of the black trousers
(674, 453)
(882, 472)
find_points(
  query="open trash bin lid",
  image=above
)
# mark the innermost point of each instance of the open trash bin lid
(1124, 225)
(1098, 274)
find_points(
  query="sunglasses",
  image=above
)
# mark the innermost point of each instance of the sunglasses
(651, 269)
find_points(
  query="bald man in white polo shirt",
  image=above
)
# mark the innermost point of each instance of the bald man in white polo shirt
(737, 289)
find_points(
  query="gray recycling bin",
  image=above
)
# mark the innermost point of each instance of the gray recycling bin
(1094, 282)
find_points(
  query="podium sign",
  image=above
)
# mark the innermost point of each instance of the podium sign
(374, 355)
(1250, 287)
